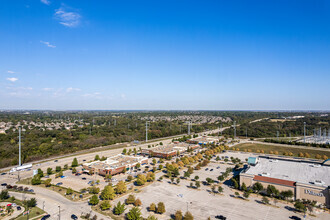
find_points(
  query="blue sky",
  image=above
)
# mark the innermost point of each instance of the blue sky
(212, 55)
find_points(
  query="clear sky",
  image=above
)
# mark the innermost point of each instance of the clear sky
(211, 55)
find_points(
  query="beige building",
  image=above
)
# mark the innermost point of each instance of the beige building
(306, 179)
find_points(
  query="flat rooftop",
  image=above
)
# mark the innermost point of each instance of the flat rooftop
(173, 147)
(296, 171)
(115, 162)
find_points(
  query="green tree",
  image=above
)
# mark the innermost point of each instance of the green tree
(97, 157)
(120, 187)
(178, 215)
(188, 216)
(105, 205)
(197, 184)
(66, 167)
(134, 214)
(58, 169)
(152, 217)
(48, 182)
(119, 208)
(161, 208)
(40, 173)
(108, 193)
(130, 199)
(49, 171)
(137, 202)
(74, 162)
(243, 187)
(4, 195)
(69, 191)
(265, 200)
(94, 200)
(36, 180)
(246, 194)
(300, 206)
(220, 189)
(152, 207)
(272, 191)
(74, 170)
(31, 202)
(257, 187)
(141, 180)
(94, 190)
(286, 194)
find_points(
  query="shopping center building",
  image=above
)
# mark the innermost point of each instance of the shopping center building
(307, 179)
(114, 165)
(170, 150)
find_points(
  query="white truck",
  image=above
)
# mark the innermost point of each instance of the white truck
(20, 168)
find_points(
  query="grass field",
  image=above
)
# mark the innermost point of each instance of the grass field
(34, 212)
(281, 150)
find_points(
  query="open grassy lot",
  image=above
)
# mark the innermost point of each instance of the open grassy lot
(34, 212)
(281, 150)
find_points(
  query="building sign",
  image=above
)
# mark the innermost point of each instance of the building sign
(310, 192)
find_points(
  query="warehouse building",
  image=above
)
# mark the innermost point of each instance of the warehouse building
(306, 179)
(114, 165)
(170, 150)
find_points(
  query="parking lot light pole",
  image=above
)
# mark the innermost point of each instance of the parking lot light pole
(59, 212)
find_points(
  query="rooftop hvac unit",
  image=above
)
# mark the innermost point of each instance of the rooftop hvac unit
(265, 174)
(319, 182)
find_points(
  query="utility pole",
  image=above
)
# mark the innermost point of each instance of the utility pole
(19, 146)
(305, 132)
(147, 123)
(234, 130)
(59, 212)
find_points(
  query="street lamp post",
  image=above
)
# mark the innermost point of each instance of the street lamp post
(59, 212)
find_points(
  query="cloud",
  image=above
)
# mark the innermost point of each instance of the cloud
(95, 95)
(46, 2)
(48, 89)
(9, 71)
(67, 18)
(70, 89)
(13, 79)
(47, 44)
(123, 96)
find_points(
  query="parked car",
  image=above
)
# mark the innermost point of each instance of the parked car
(295, 217)
(31, 190)
(18, 208)
(206, 169)
(45, 217)
(84, 160)
(3, 174)
(73, 216)
(3, 184)
(55, 161)
(58, 184)
(84, 178)
(218, 167)
(221, 217)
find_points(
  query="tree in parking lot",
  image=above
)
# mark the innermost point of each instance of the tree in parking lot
(129, 178)
(137, 202)
(220, 189)
(141, 180)
(150, 177)
(58, 169)
(120, 187)
(66, 167)
(188, 216)
(36, 180)
(105, 205)
(94, 200)
(108, 193)
(74, 162)
(130, 199)
(74, 170)
(134, 214)
(196, 177)
(178, 215)
(197, 184)
(119, 208)
(49, 171)
(94, 190)
(152, 207)
(300, 206)
(48, 182)
(40, 173)
(246, 194)
(209, 180)
(161, 208)
(221, 178)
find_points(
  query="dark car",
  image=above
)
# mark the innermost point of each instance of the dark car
(3, 174)
(206, 169)
(58, 184)
(84, 178)
(18, 208)
(84, 160)
(295, 217)
(211, 169)
(55, 161)
(45, 217)
(221, 217)
(3, 184)
(73, 216)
